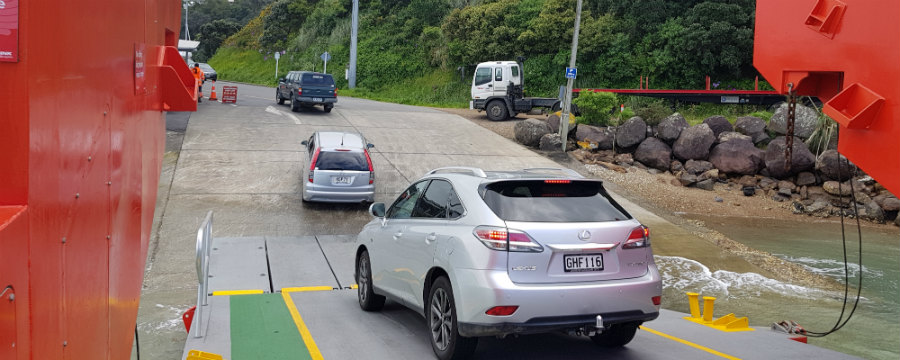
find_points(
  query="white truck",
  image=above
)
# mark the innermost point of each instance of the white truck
(497, 88)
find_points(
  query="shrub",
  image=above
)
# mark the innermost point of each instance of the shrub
(653, 112)
(595, 107)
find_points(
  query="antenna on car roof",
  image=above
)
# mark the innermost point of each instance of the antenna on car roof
(342, 138)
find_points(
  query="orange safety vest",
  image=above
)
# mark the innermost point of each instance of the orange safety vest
(198, 74)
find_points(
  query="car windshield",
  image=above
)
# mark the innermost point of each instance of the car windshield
(206, 68)
(552, 201)
(317, 79)
(342, 160)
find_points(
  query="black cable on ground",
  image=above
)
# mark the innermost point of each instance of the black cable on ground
(841, 321)
(137, 343)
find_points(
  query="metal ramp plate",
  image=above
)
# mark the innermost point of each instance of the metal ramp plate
(340, 250)
(298, 262)
(238, 264)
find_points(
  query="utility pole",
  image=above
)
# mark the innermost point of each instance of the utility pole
(354, 27)
(567, 104)
(187, 32)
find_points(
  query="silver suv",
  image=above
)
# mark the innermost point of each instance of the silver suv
(496, 253)
(338, 168)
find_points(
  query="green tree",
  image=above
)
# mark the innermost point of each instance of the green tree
(212, 35)
(595, 107)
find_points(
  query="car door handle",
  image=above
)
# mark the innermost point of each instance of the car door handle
(490, 85)
(431, 237)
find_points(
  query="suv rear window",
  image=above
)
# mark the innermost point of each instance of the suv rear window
(342, 160)
(552, 201)
(317, 79)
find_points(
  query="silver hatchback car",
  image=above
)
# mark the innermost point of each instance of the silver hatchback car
(496, 253)
(338, 168)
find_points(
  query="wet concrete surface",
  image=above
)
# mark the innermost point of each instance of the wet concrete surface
(243, 161)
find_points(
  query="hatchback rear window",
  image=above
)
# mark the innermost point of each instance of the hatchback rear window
(552, 201)
(317, 79)
(342, 160)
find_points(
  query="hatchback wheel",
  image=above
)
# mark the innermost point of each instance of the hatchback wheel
(445, 339)
(368, 300)
(616, 335)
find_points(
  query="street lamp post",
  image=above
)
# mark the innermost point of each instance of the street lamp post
(567, 104)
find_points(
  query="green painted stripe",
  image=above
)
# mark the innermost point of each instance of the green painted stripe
(261, 328)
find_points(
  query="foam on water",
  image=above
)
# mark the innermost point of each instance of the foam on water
(832, 268)
(684, 274)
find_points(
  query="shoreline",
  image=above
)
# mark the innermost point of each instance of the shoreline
(677, 205)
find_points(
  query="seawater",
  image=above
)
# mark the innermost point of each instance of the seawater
(874, 330)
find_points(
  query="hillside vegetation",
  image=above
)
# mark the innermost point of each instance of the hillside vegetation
(424, 51)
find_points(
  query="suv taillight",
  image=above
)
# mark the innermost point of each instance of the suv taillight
(638, 238)
(499, 238)
(299, 91)
(312, 164)
(335, 92)
(371, 169)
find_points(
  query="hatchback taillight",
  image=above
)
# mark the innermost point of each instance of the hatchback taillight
(371, 169)
(638, 238)
(499, 238)
(312, 164)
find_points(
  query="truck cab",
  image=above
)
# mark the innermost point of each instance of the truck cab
(497, 88)
(492, 78)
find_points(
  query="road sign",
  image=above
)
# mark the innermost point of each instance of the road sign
(325, 56)
(571, 72)
(277, 55)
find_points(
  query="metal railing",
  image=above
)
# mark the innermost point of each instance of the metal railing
(204, 239)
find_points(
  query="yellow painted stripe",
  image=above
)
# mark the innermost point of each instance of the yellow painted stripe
(354, 286)
(688, 343)
(306, 288)
(236, 292)
(301, 326)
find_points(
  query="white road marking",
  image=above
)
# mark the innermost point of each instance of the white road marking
(273, 110)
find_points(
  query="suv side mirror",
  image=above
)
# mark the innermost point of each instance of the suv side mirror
(377, 210)
(304, 143)
(370, 146)
(281, 80)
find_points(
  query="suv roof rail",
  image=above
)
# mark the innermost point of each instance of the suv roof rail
(569, 172)
(457, 169)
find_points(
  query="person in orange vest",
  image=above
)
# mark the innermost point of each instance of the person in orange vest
(200, 76)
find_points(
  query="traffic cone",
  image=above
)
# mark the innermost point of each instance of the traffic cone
(212, 95)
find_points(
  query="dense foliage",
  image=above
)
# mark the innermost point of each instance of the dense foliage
(674, 43)
(211, 21)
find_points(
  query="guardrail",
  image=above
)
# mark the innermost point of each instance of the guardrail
(204, 238)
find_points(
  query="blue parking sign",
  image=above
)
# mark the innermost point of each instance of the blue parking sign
(571, 72)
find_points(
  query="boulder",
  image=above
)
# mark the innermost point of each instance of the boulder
(553, 121)
(749, 125)
(624, 159)
(718, 124)
(801, 158)
(698, 166)
(709, 175)
(530, 131)
(737, 156)
(890, 204)
(806, 178)
(687, 179)
(551, 142)
(819, 208)
(761, 138)
(767, 183)
(694, 143)
(654, 153)
(747, 180)
(731, 135)
(708, 185)
(603, 137)
(837, 189)
(835, 166)
(786, 185)
(874, 212)
(631, 133)
(897, 221)
(671, 127)
(676, 166)
(805, 121)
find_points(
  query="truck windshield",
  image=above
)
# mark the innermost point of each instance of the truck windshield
(482, 76)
